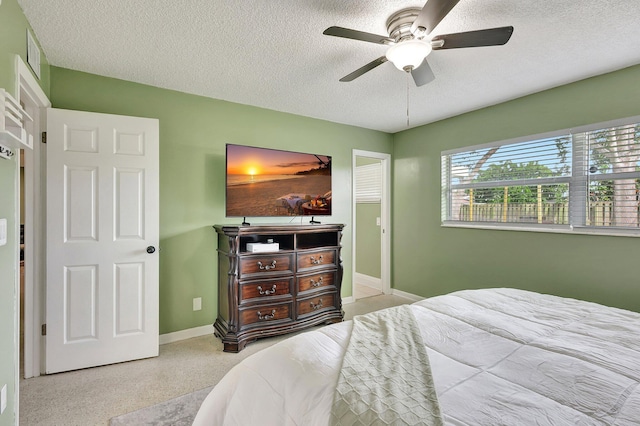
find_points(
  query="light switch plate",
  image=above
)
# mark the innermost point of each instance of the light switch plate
(3, 232)
(197, 303)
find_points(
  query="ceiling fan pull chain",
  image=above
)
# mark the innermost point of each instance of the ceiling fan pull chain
(408, 98)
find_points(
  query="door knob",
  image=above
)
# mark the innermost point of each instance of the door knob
(151, 249)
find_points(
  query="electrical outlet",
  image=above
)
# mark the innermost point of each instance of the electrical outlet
(197, 303)
(3, 399)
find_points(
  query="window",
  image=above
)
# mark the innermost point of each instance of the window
(582, 180)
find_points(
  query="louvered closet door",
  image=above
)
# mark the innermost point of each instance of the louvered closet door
(102, 238)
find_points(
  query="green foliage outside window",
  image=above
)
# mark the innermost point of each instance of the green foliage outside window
(517, 194)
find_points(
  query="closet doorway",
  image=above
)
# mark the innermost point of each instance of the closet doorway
(31, 212)
(371, 219)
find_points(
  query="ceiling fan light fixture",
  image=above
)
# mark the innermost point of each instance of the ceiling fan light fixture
(407, 55)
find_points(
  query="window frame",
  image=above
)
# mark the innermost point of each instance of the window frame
(579, 178)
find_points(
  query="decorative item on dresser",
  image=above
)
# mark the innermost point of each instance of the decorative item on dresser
(262, 294)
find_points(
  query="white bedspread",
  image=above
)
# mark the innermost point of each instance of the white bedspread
(498, 357)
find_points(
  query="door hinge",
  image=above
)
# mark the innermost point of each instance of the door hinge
(44, 137)
(44, 329)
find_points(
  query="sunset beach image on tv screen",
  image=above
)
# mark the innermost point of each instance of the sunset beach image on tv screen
(269, 182)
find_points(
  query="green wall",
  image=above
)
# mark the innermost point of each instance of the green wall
(13, 27)
(368, 239)
(8, 271)
(193, 134)
(429, 260)
(13, 40)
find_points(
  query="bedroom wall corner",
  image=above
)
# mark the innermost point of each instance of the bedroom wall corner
(440, 260)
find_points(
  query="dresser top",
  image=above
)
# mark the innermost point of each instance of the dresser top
(278, 228)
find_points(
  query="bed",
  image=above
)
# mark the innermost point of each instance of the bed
(496, 356)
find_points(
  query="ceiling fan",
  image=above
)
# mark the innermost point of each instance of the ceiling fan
(409, 42)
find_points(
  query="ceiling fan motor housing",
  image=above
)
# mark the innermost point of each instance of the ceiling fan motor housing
(399, 24)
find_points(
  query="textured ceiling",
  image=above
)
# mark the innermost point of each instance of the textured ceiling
(272, 54)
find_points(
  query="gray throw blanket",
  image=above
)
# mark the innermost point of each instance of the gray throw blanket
(386, 377)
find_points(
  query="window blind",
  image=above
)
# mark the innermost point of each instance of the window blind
(614, 176)
(369, 183)
(525, 182)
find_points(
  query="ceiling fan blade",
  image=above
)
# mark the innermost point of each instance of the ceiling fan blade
(357, 35)
(357, 73)
(489, 37)
(423, 74)
(431, 14)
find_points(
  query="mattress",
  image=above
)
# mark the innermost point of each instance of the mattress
(498, 357)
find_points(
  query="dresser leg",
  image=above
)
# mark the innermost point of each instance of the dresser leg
(231, 347)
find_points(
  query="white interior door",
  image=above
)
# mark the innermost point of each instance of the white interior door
(102, 235)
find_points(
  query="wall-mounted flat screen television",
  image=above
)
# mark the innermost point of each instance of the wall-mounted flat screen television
(271, 182)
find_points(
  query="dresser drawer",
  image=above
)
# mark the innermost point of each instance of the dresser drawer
(265, 264)
(265, 314)
(308, 260)
(317, 281)
(322, 302)
(265, 289)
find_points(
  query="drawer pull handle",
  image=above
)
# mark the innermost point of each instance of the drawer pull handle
(266, 267)
(316, 283)
(267, 292)
(266, 317)
(316, 306)
(316, 261)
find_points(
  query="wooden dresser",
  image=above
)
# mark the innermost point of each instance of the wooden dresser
(277, 292)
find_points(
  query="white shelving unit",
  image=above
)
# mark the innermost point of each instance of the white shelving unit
(12, 126)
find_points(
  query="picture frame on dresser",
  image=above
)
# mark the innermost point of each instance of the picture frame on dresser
(268, 293)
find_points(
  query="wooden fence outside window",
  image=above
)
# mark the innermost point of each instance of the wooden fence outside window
(600, 213)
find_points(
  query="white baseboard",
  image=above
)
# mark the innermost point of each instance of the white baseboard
(368, 281)
(347, 300)
(399, 293)
(406, 295)
(189, 333)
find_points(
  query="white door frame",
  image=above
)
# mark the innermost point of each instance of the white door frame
(385, 219)
(31, 94)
